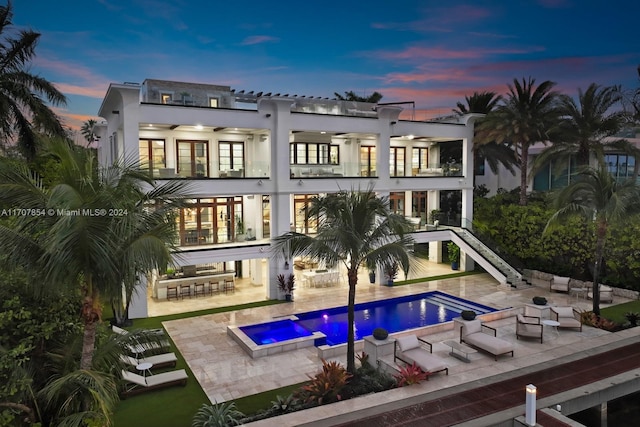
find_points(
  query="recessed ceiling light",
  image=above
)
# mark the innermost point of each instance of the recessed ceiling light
(323, 132)
(199, 127)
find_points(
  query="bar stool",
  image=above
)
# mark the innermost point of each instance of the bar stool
(172, 292)
(229, 285)
(214, 287)
(185, 290)
(199, 290)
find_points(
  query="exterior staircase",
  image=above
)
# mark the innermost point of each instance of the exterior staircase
(514, 277)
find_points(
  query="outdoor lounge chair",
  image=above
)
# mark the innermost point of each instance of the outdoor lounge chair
(559, 284)
(139, 384)
(140, 348)
(409, 350)
(158, 360)
(528, 327)
(471, 333)
(606, 292)
(568, 317)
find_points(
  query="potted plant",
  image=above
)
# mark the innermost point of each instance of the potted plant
(287, 285)
(372, 273)
(391, 272)
(454, 255)
(240, 236)
(434, 217)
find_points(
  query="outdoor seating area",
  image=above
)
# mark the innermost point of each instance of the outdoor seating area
(528, 327)
(320, 278)
(484, 337)
(567, 317)
(136, 383)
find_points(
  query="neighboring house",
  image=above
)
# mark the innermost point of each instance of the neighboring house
(254, 160)
(621, 165)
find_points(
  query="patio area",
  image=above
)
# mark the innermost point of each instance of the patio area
(226, 372)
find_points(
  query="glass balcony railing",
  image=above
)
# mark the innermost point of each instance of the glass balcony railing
(344, 169)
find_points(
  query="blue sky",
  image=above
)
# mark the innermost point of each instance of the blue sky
(430, 52)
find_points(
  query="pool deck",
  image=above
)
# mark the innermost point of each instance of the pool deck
(226, 372)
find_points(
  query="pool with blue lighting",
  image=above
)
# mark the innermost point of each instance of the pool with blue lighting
(395, 315)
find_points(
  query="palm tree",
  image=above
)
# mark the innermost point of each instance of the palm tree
(356, 229)
(495, 154)
(526, 116)
(584, 127)
(374, 98)
(596, 195)
(23, 113)
(87, 131)
(92, 229)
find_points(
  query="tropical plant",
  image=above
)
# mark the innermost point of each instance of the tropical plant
(87, 131)
(527, 115)
(286, 284)
(95, 230)
(453, 252)
(326, 385)
(597, 196)
(282, 405)
(222, 414)
(356, 229)
(411, 374)
(585, 127)
(23, 110)
(632, 317)
(374, 98)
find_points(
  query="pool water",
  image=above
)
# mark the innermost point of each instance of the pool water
(394, 315)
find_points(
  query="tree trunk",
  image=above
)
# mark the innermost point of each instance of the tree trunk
(524, 163)
(351, 355)
(601, 234)
(88, 344)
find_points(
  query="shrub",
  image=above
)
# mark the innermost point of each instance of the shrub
(282, 405)
(589, 318)
(411, 374)
(632, 318)
(326, 386)
(217, 415)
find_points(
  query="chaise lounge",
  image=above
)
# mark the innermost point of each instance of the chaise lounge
(471, 333)
(138, 384)
(528, 327)
(409, 350)
(158, 361)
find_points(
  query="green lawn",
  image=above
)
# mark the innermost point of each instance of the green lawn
(616, 312)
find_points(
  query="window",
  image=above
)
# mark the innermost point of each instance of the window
(308, 153)
(231, 157)
(419, 205)
(213, 102)
(152, 155)
(396, 161)
(419, 159)
(210, 221)
(266, 216)
(301, 221)
(367, 161)
(553, 175)
(193, 158)
(396, 202)
(166, 98)
(621, 166)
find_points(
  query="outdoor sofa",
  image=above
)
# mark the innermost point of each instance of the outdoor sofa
(568, 317)
(472, 332)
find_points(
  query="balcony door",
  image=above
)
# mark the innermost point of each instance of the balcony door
(368, 161)
(231, 157)
(419, 205)
(301, 221)
(193, 159)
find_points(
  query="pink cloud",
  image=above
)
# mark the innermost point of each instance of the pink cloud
(97, 91)
(258, 40)
(85, 82)
(434, 53)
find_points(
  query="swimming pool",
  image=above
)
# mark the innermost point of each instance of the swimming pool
(395, 315)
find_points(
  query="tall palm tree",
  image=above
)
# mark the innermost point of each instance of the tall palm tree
(495, 154)
(596, 195)
(355, 229)
(585, 126)
(87, 131)
(91, 228)
(527, 115)
(23, 111)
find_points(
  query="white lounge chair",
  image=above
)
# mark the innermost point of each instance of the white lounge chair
(139, 384)
(559, 284)
(529, 327)
(568, 317)
(472, 333)
(158, 360)
(409, 350)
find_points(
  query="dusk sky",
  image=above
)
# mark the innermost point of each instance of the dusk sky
(430, 52)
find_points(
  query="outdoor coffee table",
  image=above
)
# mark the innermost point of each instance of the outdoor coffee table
(553, 324)
(463, 350)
